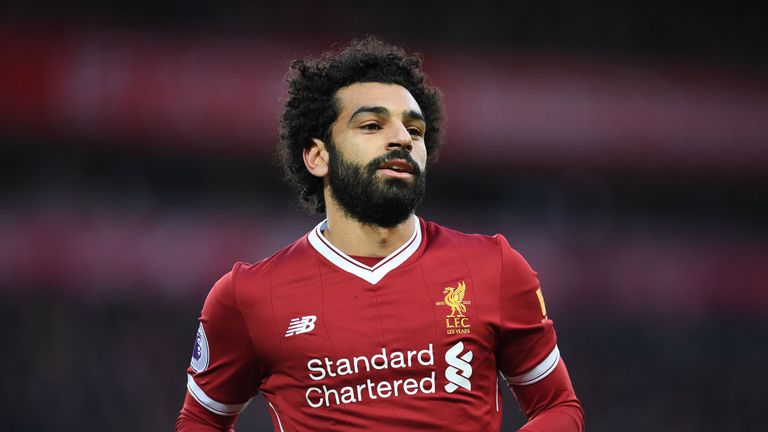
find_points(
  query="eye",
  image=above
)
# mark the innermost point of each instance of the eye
(415, 131)
(371, 126)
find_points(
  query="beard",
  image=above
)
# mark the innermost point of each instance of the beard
(368, 199)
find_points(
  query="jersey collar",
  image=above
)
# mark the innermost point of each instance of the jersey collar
(370, 274)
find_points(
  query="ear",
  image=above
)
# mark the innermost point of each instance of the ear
(316, 158)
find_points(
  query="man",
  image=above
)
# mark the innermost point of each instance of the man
(376, 319)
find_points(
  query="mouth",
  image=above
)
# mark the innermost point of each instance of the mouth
(397, 168)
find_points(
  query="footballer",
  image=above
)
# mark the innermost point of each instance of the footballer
(375, 320)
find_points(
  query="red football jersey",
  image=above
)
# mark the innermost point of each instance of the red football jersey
(414, 342)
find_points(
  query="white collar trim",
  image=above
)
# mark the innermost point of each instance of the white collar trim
(370, 274)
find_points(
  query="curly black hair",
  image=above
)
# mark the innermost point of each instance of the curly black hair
(311, 106)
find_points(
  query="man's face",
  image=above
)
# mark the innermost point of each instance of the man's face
(377, 154)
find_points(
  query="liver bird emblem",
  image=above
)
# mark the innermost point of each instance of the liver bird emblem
(454, 297)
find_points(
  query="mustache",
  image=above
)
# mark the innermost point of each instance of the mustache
(394, 154)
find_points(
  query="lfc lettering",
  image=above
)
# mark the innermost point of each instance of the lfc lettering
(457, 325)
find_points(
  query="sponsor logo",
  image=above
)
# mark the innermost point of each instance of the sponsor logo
(456, 322)
(459, 370)
(200, 351)
(354, 371)
(304, 324)
(356, 379)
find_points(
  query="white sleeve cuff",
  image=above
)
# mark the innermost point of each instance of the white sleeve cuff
(210, 404)
(539, 372)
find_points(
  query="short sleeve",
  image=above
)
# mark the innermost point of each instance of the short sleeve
(224, 374)
(527, 345)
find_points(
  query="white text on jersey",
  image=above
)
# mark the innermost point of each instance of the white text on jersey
(325, 396)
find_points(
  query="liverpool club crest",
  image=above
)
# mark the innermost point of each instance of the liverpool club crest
(456, 321)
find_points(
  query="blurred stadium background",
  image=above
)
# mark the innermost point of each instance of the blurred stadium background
(621, 147)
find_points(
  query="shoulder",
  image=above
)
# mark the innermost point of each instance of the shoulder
(289, 258)
(478, 247)
(437, 232)
(492, 244)
(245, 283)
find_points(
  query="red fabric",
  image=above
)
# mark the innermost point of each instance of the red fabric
(369, 261)
(195, 418)
(441, 360)
(526, 335)
(551, 404)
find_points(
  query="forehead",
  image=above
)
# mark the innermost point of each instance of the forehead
(391, 96)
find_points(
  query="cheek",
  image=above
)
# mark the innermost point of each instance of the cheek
(346, 148)
(419, 154)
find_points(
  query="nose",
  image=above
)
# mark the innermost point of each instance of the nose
(400, 138)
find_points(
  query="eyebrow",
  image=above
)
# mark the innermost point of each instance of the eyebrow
(380, 110)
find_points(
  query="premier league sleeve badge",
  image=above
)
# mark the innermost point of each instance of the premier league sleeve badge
(200, 355)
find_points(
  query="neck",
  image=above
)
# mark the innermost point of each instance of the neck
(358, 239)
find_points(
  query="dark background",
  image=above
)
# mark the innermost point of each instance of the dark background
(621, 148)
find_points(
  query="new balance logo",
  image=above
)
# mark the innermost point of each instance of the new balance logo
(301, 325)
(459, 370)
